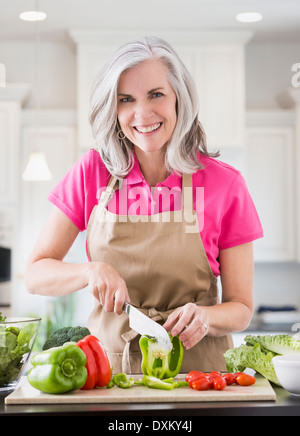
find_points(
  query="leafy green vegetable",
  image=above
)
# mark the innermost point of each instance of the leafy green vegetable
(66, 334)
(258, 353)
(14, 344)
(239, 359)
(8, 343)
(262, 363)
(279, 344)
(2, 318)
(236, 359)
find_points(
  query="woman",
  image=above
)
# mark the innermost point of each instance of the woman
(164, 218)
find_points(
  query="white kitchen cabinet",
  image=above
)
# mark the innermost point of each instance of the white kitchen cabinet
(57, 140)
(215, 59)
(7, 219)
(11, 98)
(290, 99)
(270, 174)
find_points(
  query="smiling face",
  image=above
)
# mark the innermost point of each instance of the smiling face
(147, 105)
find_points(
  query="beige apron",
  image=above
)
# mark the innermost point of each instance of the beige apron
(164, 264)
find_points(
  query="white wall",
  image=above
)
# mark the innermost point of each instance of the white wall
(277, 284)
(57, 71)
(268, 73)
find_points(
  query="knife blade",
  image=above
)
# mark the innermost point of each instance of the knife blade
(143, 325)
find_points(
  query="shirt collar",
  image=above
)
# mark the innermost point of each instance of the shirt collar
(135, 176)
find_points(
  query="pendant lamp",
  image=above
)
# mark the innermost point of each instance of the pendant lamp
(37, 167)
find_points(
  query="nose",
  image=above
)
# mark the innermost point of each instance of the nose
(143, 111)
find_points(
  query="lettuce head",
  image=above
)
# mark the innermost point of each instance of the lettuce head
(258, 353)
(279, 344)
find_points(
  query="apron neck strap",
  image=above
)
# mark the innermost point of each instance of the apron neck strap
(107, 195)
(187, 192)
(113, 184)
(187, 180)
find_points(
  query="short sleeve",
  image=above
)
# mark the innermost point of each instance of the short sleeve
(69, 194)
(240, 221)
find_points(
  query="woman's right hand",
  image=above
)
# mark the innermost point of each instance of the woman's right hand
(107, 286)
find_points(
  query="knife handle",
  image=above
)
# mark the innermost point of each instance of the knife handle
(126, 307)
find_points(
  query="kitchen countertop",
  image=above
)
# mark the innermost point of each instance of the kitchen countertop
(264, 328)
(285, 405)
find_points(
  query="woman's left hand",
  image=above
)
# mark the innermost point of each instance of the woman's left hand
(190, 322)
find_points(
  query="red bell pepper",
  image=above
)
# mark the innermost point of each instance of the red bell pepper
(97, 363)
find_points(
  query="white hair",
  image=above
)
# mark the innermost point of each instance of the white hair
(188, 137)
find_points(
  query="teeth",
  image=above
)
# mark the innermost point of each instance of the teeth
(148, 129)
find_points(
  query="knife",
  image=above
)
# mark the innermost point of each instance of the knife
(143, 325)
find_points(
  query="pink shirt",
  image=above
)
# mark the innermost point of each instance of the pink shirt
(226, 213)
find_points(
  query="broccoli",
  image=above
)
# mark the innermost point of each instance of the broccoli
(66, 334)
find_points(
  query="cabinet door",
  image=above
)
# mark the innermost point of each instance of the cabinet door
(219, 76)
(59, 146)
(9, 147)
(270, 174)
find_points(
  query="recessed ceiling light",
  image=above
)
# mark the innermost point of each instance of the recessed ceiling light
(249, 17)
(33, 16)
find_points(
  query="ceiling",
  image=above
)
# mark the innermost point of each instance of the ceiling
(281, 23)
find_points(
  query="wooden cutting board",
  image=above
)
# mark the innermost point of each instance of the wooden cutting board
(261, 391)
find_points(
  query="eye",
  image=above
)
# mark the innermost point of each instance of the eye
(126, 100)
(156, 95)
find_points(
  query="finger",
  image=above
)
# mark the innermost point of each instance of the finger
(119, 301)
(184, 319)
(98, 291)
(109, 300)
(172, 319)
(101, 293)
(94, 290)
(194, 340)
(193, 334)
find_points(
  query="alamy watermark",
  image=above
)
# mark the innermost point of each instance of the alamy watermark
(166, 205)
(296, 328)
(296, 76)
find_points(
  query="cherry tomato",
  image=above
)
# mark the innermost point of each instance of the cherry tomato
(202, 384)
(245, 380)
(195, 375)
(230, 379)
(192, 374)
(214, 374)
(236, 374)
(219, 383)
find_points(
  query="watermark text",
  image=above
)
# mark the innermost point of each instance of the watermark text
(164, 205)
(296, 76)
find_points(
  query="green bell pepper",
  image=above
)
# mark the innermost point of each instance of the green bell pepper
(159, 362)
(156, 383)
(122, 381)
(58, 370)
(167, 384)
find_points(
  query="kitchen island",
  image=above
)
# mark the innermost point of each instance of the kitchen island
(285, 405)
